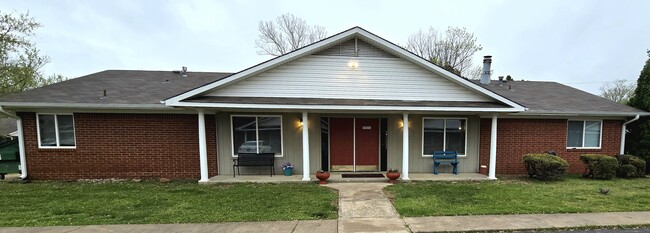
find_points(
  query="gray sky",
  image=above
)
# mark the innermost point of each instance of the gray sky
(580, 43)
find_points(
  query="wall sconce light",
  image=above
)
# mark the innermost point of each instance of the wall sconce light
(353, 64)
(401, 123)
(300, 121)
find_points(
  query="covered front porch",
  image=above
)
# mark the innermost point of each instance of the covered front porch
(306, 139)
(336, 177)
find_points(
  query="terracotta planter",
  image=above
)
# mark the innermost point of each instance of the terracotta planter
(392, 176)
(322, 177)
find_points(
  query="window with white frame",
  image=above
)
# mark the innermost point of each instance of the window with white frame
(56, 131)
(445, 134)
(584, 134)
(257, 134)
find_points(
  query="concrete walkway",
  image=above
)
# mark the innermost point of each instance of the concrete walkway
(363, 207)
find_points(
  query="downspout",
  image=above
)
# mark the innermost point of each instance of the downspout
(623, 131)
(21, 142)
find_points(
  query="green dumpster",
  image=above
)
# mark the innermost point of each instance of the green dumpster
(9, 156)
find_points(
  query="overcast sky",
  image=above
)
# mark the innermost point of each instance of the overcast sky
(579, 43)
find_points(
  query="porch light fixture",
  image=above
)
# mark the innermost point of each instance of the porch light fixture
(300, 120)
(353, 64)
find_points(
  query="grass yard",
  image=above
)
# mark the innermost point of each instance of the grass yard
(519, 196)
(83, 203)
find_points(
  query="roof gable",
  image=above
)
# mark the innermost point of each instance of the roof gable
(327, 44)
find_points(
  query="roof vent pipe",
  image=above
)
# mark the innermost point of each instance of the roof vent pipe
(485, 74)
(184, 72)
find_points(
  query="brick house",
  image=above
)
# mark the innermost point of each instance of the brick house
(352, 102)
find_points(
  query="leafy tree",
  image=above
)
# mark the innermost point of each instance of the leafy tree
(20, 61)
(286, 34)
(451, 50)
(619, 91)
(638, 140)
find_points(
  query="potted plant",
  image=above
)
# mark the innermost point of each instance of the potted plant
(322, 176)
(392, 174)
(287, 167)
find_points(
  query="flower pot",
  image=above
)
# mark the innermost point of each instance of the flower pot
(392, 176)
(288, 171)
(322, 177)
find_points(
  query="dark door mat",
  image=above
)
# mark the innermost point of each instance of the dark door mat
(362, 175)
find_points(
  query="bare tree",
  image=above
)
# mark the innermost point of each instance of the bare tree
(452, 50)
(286, 34)
(619, 90)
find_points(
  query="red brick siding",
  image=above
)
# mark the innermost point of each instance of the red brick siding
(123, 146)
(517, 137)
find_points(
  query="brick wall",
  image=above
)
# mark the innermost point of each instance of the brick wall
(517, 137)
(123, 146)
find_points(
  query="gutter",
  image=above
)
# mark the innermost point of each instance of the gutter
(21, 142)
(624, 131)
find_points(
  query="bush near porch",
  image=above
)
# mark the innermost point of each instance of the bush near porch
(519, 195)
(85, 203)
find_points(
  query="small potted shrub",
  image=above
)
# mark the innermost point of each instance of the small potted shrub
(322, 176)
(287, 168)
(393, 175)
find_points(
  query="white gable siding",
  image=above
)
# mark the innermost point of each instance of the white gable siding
(330, 77)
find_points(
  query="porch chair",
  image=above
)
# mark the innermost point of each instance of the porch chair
(445, 157)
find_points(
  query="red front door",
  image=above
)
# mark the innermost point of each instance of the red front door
(367, 144)
(348, 133)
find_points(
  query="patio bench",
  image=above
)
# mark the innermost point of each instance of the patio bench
(445, 157)
(253, 160)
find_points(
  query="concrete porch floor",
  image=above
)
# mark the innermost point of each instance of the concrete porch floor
(336, 177)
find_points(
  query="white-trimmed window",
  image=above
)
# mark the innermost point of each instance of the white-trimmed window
(584, 134)
(55, 130)
(444, 134)
(256, 134)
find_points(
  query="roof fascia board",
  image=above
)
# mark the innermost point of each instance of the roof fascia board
(344, 107)
(574, 114)
(82, 105)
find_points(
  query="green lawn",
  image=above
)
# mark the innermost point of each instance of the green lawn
(519, 196)
(80, 203)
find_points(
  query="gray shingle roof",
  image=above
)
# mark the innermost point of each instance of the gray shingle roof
(555, 98)
(148, 88)
(123, 87)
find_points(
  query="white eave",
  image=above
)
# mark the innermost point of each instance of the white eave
(310, 49)
(85, 105)
(347, 107)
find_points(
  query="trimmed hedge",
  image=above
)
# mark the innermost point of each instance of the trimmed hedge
(545, 166)
(599, 166)
(630, 166)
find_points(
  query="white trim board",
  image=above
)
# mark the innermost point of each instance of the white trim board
(330, 41)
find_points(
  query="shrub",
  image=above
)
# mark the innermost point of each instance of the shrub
(599, 166)
(630, 166)
(545, 166)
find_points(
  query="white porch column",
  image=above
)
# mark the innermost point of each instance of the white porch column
(405, 148)
(305, 148)
(21, 149)
(203, 149)
(493, 149)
